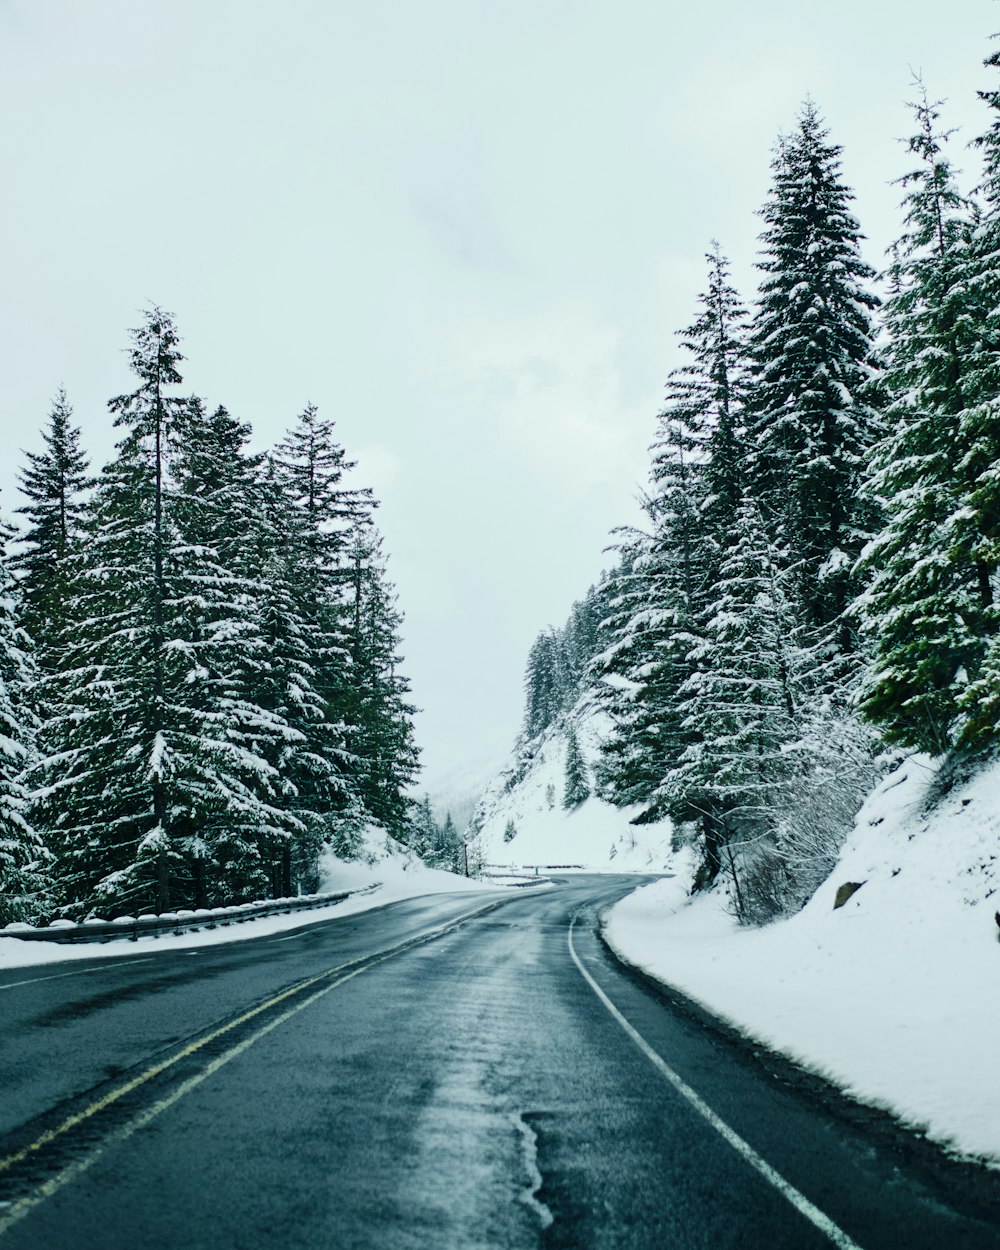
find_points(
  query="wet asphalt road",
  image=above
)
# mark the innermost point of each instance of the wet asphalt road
(480, 1088)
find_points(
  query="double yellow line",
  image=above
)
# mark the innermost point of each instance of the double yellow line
(23, 1206)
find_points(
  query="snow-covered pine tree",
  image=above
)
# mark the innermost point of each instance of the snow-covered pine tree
(229, 808)
(977, 524)
(666, 579)
(709, 394)
(740, 706)
(923, 609)
(380, 737)
(324, 517)
(811, 422)
(151, 754)
(54, 483)
(544, 692)
(577, 783)
(25, 884)
(107, 766)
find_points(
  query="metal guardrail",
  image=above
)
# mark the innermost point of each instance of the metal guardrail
(134, 927)
(513, 870)
(515, 880)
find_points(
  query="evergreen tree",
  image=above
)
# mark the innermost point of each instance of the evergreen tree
(155, 763)
(544, 684)
(811, 423)
(742, 703)
(423, 836)
(925, 608)
(325, 516)
(108, 765)
(658, 614)
(707, 394)
(55, 483)
(577, 784)
(697, 471)
(234, 816)
(381, 733)
(24, 861)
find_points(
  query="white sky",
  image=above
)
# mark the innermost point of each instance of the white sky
(467, 230)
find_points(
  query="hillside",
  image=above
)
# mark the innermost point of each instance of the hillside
(529, 793)
(456, 791)
(893, 994)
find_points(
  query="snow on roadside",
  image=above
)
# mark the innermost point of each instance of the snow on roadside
(893, 996)
(397, 874)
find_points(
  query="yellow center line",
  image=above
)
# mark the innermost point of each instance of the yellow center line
(25, 1205)
(157, 1069)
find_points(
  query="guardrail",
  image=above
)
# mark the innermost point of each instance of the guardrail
(516, 880)
(516, 869)
(134, 927)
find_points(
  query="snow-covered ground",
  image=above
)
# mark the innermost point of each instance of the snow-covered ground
(594, 835)
(397, 874)
(894, 996)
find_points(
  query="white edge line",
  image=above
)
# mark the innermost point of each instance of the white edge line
(788, 1191)
(107, 965)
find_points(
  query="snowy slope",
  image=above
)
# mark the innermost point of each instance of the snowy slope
(529, 792)
(895, 995)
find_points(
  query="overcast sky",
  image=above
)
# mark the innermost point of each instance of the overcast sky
(466, 230)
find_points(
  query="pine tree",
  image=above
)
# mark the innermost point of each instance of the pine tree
(24, 861)
(707, 394)
(544, 684)
(741, 706)
(230, 810)
(324, 518)
(154, 765)
(55, 483)
(381, 718)
(577, 784)
(108, 769)
(924, 609)
(423, 834)
(662, 600)
(811, 423)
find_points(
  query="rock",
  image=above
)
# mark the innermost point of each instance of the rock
(845, 891)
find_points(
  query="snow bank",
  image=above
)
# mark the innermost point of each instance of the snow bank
(893, 996)
(397, 874)
(594, 835)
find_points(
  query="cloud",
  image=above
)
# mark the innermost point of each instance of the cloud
(550, 386)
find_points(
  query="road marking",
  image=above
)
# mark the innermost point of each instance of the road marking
(20, 1208)
(81, 972)
(291, 937)
(801, 1203)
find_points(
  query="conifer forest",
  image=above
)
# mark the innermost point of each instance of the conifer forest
(814, 587)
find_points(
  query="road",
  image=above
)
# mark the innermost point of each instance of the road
(460, 1071)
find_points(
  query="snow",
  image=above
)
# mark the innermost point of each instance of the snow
(397, 875)
(892, 996)
(593, 835)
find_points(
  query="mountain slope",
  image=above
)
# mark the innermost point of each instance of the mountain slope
(529, 794)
